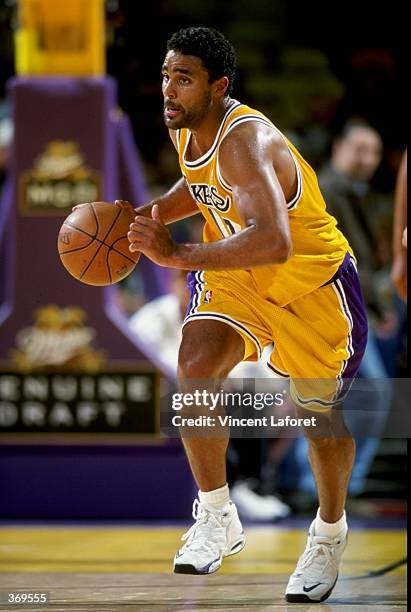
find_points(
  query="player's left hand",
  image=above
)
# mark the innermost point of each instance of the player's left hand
(151, 237)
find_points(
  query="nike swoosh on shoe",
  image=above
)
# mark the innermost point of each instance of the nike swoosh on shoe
(311, 588)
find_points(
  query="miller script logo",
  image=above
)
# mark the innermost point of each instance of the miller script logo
(58, 339)
(57, 382)
(59, 179)
(209, 196)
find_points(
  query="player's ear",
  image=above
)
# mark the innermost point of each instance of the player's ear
(221, 86)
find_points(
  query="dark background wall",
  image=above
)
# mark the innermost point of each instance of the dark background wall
(308, 65)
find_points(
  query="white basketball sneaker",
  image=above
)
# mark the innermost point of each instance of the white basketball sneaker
(317, 568)
(213, 536)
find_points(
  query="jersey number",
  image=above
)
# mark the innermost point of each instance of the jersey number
(226, 227)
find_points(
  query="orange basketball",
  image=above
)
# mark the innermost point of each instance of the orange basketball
(93, 245)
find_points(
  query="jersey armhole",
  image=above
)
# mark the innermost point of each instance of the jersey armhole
(293, 203)
(220, 178)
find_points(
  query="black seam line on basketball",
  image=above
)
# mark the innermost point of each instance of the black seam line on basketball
(81, 230)
(109, 250)
(81, 248)
(78, 229)
(93, 212)
(98, 249)
(112, 248)
(75, 250)
(108, 266)
(95, 239)
(376, 573)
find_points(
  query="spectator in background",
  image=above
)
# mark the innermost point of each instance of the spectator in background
(399, 266)
(157, 325)
(345, 182)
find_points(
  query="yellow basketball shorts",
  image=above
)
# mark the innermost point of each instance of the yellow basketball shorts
(319, 339)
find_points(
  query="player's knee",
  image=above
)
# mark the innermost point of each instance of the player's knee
(192, 366)
(209, 349)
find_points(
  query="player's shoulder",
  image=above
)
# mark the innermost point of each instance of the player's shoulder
(254, 133)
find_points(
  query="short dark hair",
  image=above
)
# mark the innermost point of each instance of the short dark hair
(214, 50)
(351, 124)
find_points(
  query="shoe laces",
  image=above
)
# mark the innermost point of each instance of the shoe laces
(313, 557)
(207, 532)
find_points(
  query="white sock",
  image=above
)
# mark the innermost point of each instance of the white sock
(215, 500)
(329, 530)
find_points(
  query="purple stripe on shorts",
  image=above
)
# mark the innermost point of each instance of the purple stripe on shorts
(350, 283)
(192, 284)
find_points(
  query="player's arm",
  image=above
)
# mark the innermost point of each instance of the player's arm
(399, 267)
(174, 205)
(246, 163)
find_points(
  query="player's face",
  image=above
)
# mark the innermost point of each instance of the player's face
(186, 89)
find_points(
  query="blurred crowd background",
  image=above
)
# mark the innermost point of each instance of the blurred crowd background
(305, 66)
(332, 79)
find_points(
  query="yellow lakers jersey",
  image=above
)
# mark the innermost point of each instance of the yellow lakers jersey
(318, 247)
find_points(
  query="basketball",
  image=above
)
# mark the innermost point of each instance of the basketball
(93, 244)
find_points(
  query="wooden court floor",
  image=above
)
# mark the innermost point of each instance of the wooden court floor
(129, 568)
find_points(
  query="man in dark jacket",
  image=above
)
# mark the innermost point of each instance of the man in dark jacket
(345, 184)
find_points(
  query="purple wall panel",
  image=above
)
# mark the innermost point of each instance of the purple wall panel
(66, 482)
(76, 481)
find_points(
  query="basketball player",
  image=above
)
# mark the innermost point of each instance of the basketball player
(273, 267)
